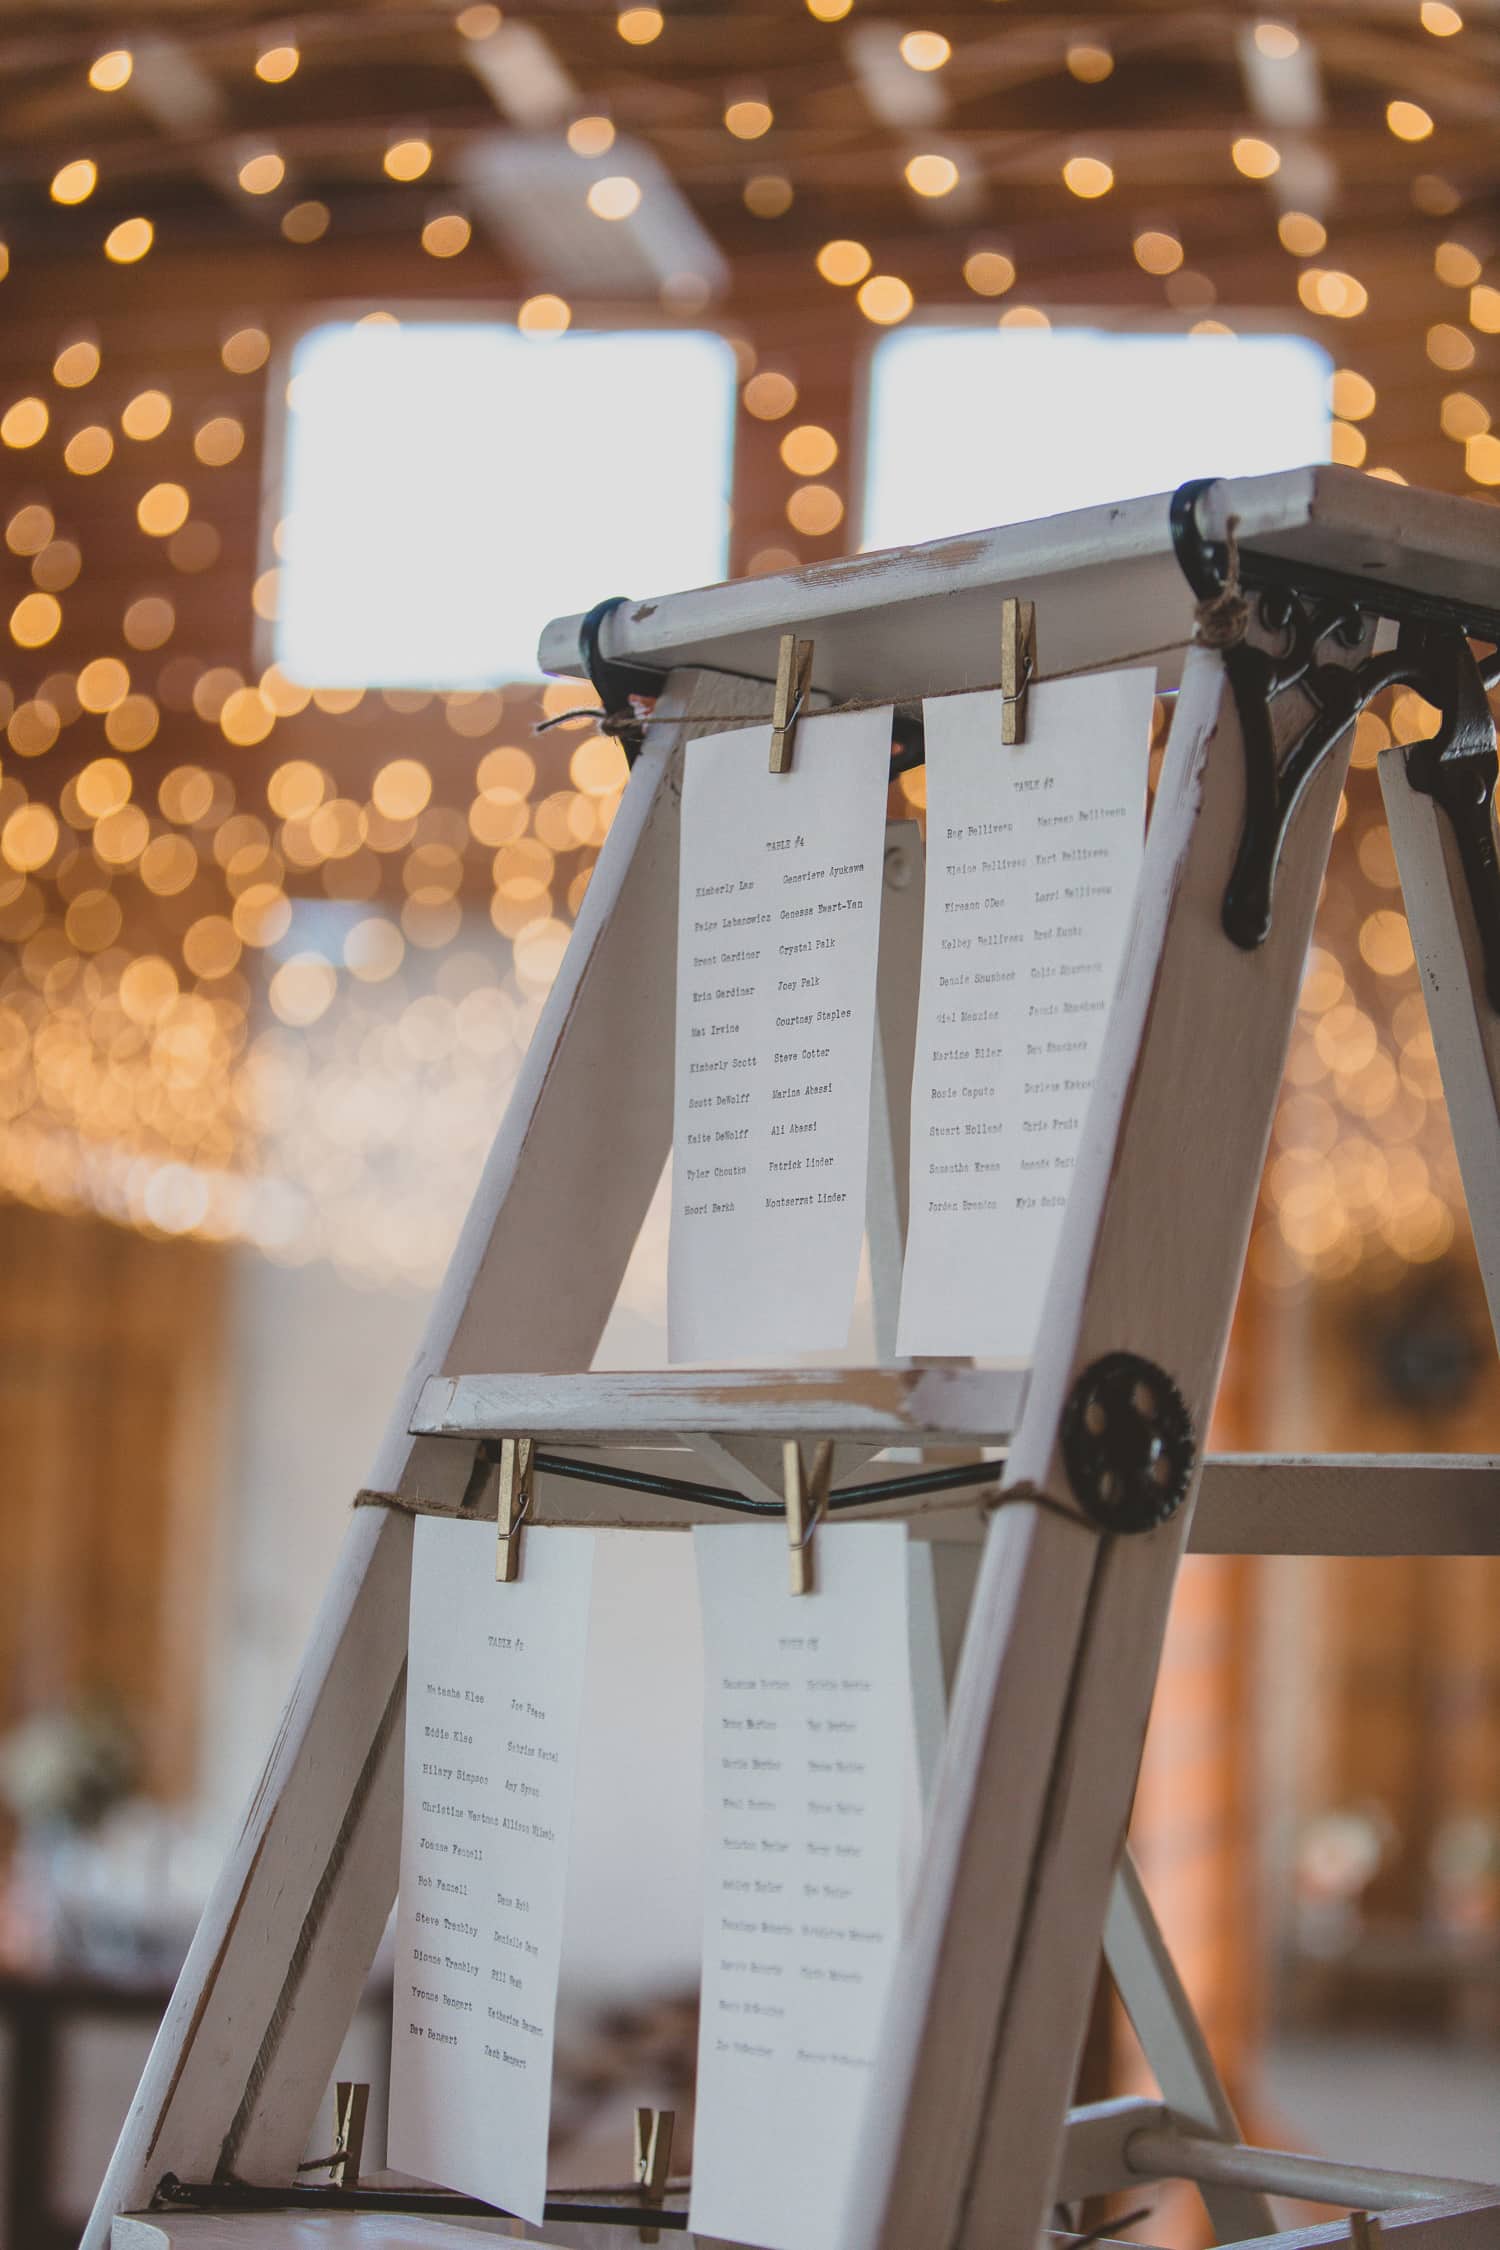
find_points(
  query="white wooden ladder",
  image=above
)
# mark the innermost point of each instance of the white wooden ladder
(969, 2142)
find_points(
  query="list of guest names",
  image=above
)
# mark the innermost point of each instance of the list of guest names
(778, 928)
(807, 1729)
(494, 1685)
(1032, 859)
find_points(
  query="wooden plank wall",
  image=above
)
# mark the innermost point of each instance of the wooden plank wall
(110, 1375)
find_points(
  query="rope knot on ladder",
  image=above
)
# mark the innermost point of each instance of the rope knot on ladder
(1223, 620)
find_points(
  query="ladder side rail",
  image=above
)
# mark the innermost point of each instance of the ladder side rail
(1348, 1504)
(273, 1976)
(1465, 1028)
(1151, 1260)
(992, 1987)
(1166, 2024)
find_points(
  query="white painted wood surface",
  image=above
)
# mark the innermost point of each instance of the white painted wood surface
(275, 1971)
(1049, 1710)
(1105, 581)
(1465, 1028)
(375, 2230)
(1152, 1251)
(1093, 2151)
(333, 2230)
(863, 1405)
(1145, 1977)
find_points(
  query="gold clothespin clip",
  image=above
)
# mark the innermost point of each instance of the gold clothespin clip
(806, 1506)
(350, 2103)
(794, 661)
(1017, 666)
(653, 2160)
(516, 1455)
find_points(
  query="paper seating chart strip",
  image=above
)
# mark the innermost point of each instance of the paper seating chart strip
(812, 1817)
(1033, 855)
(1032, 859)
(807, 1794)
(777, 934)
(494, 1691)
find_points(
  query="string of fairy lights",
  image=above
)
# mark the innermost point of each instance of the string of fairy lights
(173, 1053)
(244, 997)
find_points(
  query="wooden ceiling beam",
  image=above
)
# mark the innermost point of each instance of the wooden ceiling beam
(1462, 86)
(335, 141)
(155, 314)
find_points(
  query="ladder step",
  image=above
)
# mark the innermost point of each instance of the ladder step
(1249, 1503)
(964, 1406)
(1348, 1504)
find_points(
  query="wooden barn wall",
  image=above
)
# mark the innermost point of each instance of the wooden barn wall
(111, 1371)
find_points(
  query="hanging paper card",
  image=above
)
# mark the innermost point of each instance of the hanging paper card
(807, 1788)
(1032, 859)
(494, 1685)
(777, 932)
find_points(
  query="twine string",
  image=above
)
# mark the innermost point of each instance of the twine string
(1220, 622)
(1223, 620)
(1020, 1494)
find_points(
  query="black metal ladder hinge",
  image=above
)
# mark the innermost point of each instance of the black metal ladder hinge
(1432, 654)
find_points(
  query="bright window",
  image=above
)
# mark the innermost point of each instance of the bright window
(971, 427)
(450, 486)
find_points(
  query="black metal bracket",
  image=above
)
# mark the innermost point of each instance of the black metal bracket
(615, 683)
(1456, 768)
(1301, 612)
(1305, 611)
(1127, 1443)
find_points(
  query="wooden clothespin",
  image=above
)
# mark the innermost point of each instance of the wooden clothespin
(1365, 2230)
(514, 1506)
(794, 660)
(351, 2102)
(653, 2160)
(1017, 666)
(806, 1505)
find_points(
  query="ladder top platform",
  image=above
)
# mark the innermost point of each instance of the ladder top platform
(911, 620)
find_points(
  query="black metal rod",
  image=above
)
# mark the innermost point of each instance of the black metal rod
(922, 1480)
(236, 2195)
(642, 1480)
(723, 1496)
